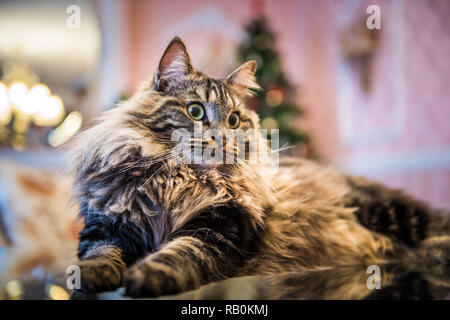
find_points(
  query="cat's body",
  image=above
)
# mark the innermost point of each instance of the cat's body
(161, 227)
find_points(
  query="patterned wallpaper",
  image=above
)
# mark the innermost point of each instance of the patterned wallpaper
(399, 132)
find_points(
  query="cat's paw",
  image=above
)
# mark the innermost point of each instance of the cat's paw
(99, 275)
(147, 279)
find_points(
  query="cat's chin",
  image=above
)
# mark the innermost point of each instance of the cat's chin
(208, 166)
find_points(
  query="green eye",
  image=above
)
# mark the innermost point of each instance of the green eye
(196, 111)
(233, 120)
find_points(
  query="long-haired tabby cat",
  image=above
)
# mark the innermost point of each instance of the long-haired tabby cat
(160, 227)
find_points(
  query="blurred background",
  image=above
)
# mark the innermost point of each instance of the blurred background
(372, 102)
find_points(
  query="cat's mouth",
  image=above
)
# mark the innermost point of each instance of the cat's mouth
(211, 154)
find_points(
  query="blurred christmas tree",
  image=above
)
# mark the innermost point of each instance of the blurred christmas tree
(276, 103)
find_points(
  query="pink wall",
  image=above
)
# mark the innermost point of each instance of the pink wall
(397, 133)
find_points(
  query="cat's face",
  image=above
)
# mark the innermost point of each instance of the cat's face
(186, 108)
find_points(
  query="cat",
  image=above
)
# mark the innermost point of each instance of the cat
(159, 227)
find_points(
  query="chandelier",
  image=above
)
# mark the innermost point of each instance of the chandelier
(25, 102)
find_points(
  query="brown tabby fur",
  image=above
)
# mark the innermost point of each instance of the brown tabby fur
(158, 227)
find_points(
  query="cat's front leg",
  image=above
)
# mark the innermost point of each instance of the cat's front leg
(102, 268)
(107, 246)
(183, 264)
(211, 247)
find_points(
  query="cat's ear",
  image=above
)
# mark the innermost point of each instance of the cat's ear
(243, 78)
(174, 65)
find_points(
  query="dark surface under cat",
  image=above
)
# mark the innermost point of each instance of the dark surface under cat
(344, 282)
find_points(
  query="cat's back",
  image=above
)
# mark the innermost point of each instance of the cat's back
(310, 181)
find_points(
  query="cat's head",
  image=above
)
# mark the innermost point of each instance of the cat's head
(189, 109)
(180, 109)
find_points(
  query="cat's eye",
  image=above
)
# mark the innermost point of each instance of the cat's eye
(196, 111)
(233, 120)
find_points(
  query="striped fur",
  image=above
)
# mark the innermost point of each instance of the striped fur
(159, 227)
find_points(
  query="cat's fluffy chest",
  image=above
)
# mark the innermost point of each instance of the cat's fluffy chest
(169, 199)
(182, 192)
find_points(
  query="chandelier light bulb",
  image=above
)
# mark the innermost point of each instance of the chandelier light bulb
(17, 93)
(35, 100)
(50, 112)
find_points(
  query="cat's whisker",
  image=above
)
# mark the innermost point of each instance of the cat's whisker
(283, 148)
(154, 173)
(251, 170)
(128, 167)
(144, 162)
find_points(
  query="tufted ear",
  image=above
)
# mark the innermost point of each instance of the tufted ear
(243, 78)
(174, 66)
